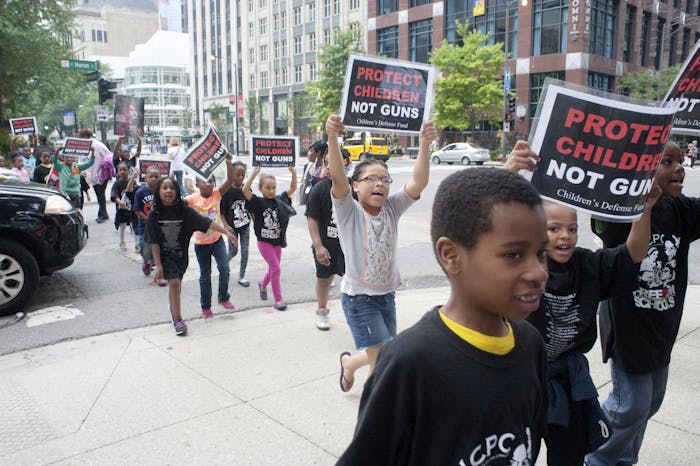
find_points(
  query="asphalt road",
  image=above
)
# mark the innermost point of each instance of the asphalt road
(105, 291)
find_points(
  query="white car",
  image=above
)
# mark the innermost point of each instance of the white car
(460, 152)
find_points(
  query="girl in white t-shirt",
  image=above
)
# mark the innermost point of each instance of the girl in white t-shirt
(368, 235)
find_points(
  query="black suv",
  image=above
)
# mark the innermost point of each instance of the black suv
(40, 232)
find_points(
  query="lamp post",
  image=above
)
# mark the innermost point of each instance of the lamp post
(508, 5)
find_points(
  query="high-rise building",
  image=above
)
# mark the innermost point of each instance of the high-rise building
(258, 54)
(591, 43)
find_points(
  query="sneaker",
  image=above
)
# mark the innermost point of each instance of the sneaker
(207, 314)
(243, 282)
(227, 304)
(146, 268)
(162, 282)
(100, 220)
(263, 292)
(281, 306)
(180, 328)
(323, 322)
(122, 246)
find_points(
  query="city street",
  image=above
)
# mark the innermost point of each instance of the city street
(105, 290)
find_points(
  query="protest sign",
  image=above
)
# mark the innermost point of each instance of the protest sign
(274, 151)
(161, 163)
(77, 147)
(386, 95)
(598, 154)
(684, 95)
(128, 115)
(20, 126)
(205, 155)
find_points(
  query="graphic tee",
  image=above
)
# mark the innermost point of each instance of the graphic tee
(319, 206)
(435, 399)
(234, 208)
(269, 227)
(371, 269)
(566, 318)
(639, 329)
(143, 201)
(209, 207)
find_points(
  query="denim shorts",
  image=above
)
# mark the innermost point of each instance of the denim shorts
(372, 319)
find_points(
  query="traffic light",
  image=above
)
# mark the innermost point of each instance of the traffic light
(104, 88)
(511, 104)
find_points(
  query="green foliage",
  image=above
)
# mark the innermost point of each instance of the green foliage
(468, 92)
(328, 89)
(649, 84)
(32, 34)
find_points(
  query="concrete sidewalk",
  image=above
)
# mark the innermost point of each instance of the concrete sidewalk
(258, 387)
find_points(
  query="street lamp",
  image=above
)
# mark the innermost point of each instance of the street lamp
(508, 4)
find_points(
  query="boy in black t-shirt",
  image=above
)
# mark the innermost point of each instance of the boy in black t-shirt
(466, 384)
(578, 279)
(234, 208)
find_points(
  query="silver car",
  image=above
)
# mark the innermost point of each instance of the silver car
(460, 152)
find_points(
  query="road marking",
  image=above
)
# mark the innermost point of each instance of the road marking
(52, 314)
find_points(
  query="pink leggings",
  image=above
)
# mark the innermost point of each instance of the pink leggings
(272, 255)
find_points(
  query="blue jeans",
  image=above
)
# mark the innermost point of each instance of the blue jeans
(372, 319)
(179, 177)
(204, 254)
(243, 243)
(145, 250)
(634, 399)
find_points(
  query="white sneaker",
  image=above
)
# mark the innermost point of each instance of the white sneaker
(323, 322)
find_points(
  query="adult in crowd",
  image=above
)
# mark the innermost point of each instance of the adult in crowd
(97, 179)
(176, 154)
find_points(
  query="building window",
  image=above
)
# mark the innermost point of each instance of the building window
(251, 81)
(630, 23)
(251, 30)
(263, 3)
(277, 77)
(336, 7)
(283, 43)
(660, 25)
(601, 81)
(94, 35)
(603, 28)
(688, 6)
(536, 85)
(104, 35)
(686, 42)
(312, 12)
(387, 6)
(326, 8)
(284, 76)
(251, 6)
(419, 2)
(263, 79)
(297, 45)
(673, 40)
(276, 23)
(388, 42)
(283, 20)
(263, 53)
(276, 50)
(355, 31)
(644, 44)
(326, 36)
(312, 71)
(312, 41)
(550, 27)
(354, 4)
(263, 26)
(420, 40)
(297, 74)
(297, 16)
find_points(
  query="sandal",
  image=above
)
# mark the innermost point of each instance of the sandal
(263, 292)
(345, 384)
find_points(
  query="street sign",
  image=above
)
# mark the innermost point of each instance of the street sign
(92, 76)
(68, 118)
(506, 80)
(81, 65)
(102, 112)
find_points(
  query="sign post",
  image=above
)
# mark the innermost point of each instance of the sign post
(80, 65)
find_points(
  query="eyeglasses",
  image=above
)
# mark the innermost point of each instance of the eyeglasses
(375, 178)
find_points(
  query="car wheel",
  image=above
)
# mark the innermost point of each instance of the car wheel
(466, 161)
(19, 275)
(479, 163)
(436, 160)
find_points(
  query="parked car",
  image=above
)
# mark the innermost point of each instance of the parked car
(396, 151)
(460, 152)
(40, 232)
(412, 152)
(364, 145)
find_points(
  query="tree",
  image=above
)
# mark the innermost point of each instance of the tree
(328, 89)
(34, 37)
(252, 107)
(648, 84)
(467, 93)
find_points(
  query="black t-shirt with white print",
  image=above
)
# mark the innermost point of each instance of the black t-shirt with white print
(319, 206)
(234, 209)
(567, 314)
(639, 329)
(268, 225)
